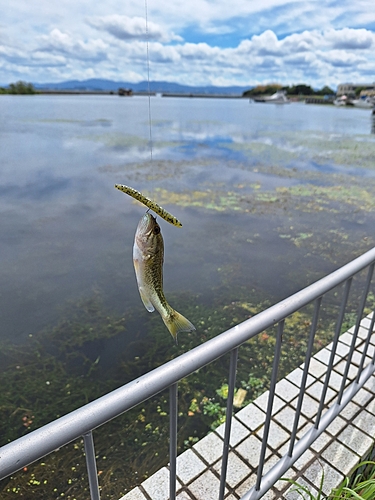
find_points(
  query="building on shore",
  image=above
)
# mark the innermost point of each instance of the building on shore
(349, 89)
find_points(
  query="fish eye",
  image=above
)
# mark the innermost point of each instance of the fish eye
(156, 230)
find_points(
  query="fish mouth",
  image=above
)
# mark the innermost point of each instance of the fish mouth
(147, 223)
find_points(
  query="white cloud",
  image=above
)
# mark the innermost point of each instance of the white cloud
(351, 39)
(341, 58)
(132, 28)
(64, 43)
(196, 42)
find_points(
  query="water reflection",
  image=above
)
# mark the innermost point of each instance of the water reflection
(373, 122)
(66, 230)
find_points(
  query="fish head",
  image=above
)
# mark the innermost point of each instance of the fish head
(148, 235)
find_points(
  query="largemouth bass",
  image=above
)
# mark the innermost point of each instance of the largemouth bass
(148, 257)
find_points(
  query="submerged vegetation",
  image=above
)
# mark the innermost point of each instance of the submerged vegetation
(77, 361)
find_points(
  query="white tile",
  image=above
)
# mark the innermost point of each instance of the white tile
(301, 432)
(286, 390)
(366, 422)
(342, 349)
(316, 392)
(189, 466)
(296, 377)
(366, 322)
(362, 397)
(295, 493)
(370, 384)
(271, 462)
(206, 487)
(276, 437)
(316, 368)
(370, 406)
(357, 358)
(236, 472)
(286, 417)
(350, 411)
(303, 460)
(282, 484)
(238, 432)
(332, 478)
(250, 450)
(324, 356)
(362, 332)
(262, 402)
(337, 425)
(346, 338)
(341, 367)
(340, 456)
(309, 406)
(210, 447)
(183, 495)
(246, 485)
(335, 381)
(134, 494)
(321, 442)
(157, 486)
(356, 440)
(251, 416)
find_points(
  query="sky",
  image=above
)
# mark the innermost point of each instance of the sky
(192, 42)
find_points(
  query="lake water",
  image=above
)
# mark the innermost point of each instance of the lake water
(231, 171)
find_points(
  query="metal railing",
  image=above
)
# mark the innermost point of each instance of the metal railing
(81, 422)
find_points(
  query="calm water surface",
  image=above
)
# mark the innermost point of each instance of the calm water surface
(65, 230)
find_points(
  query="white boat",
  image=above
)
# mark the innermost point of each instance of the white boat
(278, 97)
(340, 101)
(364, 102)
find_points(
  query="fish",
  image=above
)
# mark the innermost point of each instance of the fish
(149, 204)
(148, 258)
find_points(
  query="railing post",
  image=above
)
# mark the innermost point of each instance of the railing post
(173, 396)
(365, 349)
(271, 397)
(334, 347)
(310, 346)
(228, 419)
(355, 334)
(91, 466)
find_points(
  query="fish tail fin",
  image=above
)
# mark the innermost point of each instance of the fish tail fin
(177, 323)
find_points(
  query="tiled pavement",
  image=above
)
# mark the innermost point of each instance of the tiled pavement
(336, 452)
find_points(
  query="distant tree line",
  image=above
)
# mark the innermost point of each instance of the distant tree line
(300, 89)
(18, 88)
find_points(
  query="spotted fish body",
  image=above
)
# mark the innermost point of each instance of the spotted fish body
(149, 203)
(148, 257)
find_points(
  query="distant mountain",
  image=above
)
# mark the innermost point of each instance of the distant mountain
(108, 85)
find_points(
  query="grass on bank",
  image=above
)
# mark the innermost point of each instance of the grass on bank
(359, 486)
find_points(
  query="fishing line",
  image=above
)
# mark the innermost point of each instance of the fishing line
(148, 83)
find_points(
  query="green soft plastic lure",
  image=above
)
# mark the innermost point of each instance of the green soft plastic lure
(152, 205)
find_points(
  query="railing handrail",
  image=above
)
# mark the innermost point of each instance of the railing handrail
(41, 442)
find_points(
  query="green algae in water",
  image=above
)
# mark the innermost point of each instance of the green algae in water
(59, 370)
(42, 383)
(305, 197)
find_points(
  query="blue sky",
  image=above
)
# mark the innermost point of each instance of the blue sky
(195, 42)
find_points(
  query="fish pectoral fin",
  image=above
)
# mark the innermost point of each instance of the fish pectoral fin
(146, 301)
